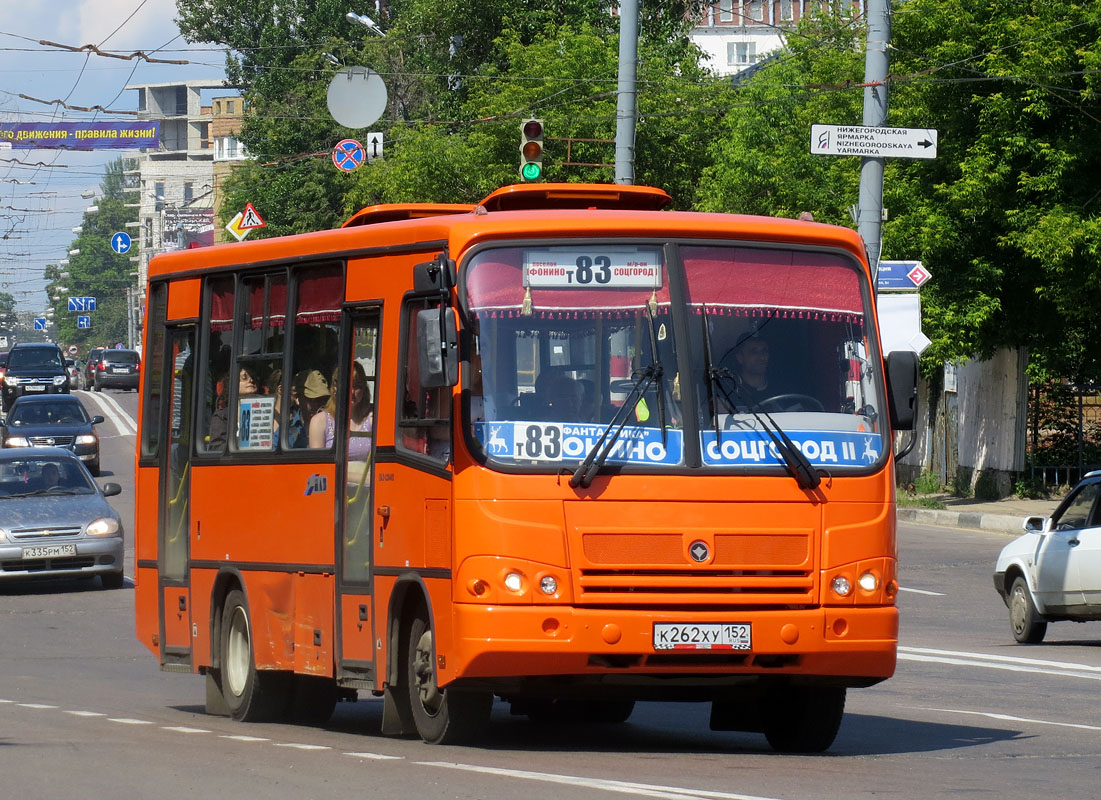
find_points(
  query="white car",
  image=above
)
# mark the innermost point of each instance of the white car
(1053, 571)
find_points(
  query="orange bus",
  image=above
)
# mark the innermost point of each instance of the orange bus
(561, 447)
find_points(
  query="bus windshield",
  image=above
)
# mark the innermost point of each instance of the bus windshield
(575, 345)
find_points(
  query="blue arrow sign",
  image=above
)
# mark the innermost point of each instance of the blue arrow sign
(83, 322)
(120, 242)
(82, 304)
(40, 323)
(900, 276)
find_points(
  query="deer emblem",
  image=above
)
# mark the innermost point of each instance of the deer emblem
(496, 442)
(869, 454)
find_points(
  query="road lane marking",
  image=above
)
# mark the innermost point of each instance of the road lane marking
(1008, 663)
(376, 756)
(122, 421)
(86, 713)
(922, 591)
(183, 729)
(239, 737)
(35, 705)
(300, 746)
(129, 721)
(1008, 718)
(620, 787)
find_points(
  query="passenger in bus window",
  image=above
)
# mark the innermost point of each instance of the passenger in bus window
(248, 383)
(360, 419)
(315, 395)
(297, 435)
(323, 423)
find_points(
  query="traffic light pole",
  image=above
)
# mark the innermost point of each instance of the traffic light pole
(625, 105)
(870, 208)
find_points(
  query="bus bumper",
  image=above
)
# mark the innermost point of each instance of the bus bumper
(852, 646)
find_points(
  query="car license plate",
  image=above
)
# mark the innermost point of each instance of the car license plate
(702, 636)
(119, 371)
(50, 551)
(34, 387)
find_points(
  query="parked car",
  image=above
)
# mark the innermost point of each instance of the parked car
(118, 369)
(90, 364)
(55, 520)
(53, 421)
(72, 367)
(34, 368)
(1053, 571)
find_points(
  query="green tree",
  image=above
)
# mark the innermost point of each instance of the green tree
(96, 271)
(1002, 217)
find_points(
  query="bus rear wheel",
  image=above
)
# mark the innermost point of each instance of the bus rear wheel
(804, 719)
(442, 716)
(252, 695)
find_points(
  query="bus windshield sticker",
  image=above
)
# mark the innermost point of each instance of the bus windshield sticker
(596, 267)
(822, 448)
(564, 441)
(257, 423)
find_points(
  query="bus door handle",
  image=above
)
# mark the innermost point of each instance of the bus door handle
(384, 512)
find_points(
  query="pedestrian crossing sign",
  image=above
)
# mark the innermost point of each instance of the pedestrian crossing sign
(250, 219)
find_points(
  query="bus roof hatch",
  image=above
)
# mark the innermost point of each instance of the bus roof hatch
(392, 212)
(534, 196)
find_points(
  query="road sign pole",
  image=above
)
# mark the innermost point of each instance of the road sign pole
(870, 208)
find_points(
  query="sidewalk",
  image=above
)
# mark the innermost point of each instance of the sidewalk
(1004, 516)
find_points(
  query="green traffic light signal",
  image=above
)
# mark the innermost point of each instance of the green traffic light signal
(531, 149)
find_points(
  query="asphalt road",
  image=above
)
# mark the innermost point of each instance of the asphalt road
(84, 711)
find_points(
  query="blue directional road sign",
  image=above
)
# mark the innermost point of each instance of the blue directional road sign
(40, 323)
(348, 154)
(120, 242)
(83, 322)
(901, 276)
(82, 304)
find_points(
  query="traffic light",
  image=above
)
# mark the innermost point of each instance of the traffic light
(531, 149)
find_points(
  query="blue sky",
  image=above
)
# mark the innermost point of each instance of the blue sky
(43, 235)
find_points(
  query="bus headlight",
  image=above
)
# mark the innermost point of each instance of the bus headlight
(548, 585)
(841, 586)
(868, 582)
(514, 581)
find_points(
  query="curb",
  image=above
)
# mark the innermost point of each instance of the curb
(975, 520)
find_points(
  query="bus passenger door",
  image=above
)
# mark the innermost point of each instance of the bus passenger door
(356, 660)
(174, 521)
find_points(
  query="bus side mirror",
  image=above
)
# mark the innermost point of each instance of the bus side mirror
(438, 360)
(902, 378)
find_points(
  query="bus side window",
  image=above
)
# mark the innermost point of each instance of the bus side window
(215, 389)
(424, 416)
(315, 354)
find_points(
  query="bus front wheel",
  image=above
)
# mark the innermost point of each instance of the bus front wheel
(442, 716)
(252, 695)
(804, 719)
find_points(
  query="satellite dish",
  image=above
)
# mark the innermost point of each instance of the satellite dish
(357, 97)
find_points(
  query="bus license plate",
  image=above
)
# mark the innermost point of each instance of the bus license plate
(50, 551)
(706, 636)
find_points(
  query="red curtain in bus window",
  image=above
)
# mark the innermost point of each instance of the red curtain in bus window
(320, 295)
(221, 305)
(495, 289)
(277, 301)
(752, 282)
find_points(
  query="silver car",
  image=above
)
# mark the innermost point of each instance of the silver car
(1053, 571)
(54, 520)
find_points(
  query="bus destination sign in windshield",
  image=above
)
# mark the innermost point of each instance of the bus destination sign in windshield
(609, 267)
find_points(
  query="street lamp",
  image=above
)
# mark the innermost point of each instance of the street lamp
(91, 209)
(365, 21)
(75, 252)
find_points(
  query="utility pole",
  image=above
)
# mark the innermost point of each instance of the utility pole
(870, 210)
(625, 104)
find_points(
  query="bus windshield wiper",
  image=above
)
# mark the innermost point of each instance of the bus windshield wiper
(797, 464)
(590, 466)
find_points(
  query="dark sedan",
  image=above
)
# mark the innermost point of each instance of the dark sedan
(54, 520)
(117, 369)
(53, 421)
